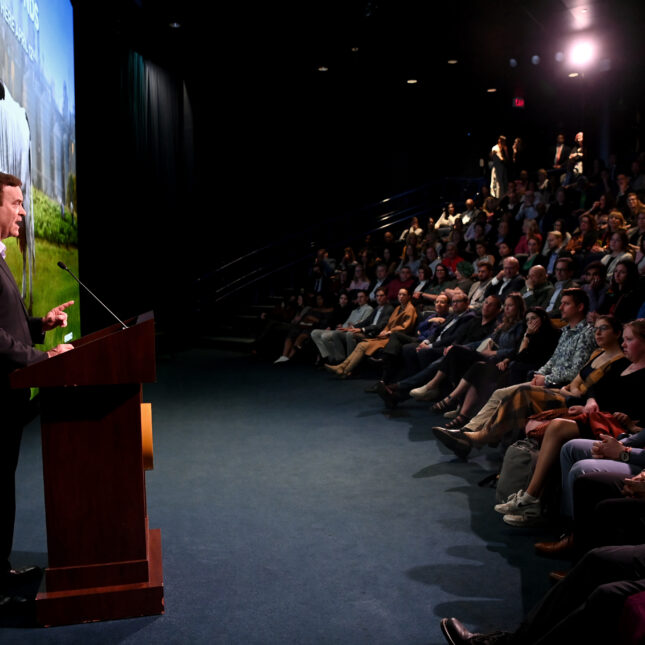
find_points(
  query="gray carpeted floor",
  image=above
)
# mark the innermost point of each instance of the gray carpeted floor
(293, 509)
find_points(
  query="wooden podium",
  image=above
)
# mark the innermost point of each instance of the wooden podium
(104, 561)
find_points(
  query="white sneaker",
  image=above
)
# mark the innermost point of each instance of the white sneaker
(517, 503)
(529, 516)
(282, 359)
(424, 393)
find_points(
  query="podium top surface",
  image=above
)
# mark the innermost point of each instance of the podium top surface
(110, 356)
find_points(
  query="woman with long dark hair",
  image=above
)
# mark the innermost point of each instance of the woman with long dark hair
(476, 372)
(618, 251)
(623, 298)
(440, 282)
(538, 343)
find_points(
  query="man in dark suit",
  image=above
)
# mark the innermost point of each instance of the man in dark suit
(375, 323)
(555, 251)
(381, 280)
(564, 270)
(508, 280)
(18, 332)
(559, 155)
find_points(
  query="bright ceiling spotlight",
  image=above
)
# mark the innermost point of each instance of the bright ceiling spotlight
(491, 90)
(513, 62)
(535, 59)
(452, 61)
(582, 53)
(412, 81)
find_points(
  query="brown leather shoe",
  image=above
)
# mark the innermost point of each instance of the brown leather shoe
(456, 633)
(562, 548)
(456, 440)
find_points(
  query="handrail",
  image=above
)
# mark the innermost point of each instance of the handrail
(328, 223)
(295, 247)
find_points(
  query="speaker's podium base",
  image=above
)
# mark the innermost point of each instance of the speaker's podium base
(111, 602)
(104, 561)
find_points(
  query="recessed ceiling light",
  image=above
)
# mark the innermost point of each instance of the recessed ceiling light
(491, 90)
(322, 68)
(174, 25)
(452, 61)
(574, 75)
(354, 49)
(412, 81)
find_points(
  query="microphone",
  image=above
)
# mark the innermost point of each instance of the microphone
(63, 266)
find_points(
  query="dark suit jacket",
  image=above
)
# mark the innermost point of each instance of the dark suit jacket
(562, 253)
(18, 331)
(372, 329)
(564, 157)
(455, 333)
(500, 289)
(555, 312)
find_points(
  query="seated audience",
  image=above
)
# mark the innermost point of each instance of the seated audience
(537, 290)
(624, 296)
(564, 271)
(403, 318)
(477, 291)
(530, 229)
(470, 213)
(430, 258)
(428, 330)
(403, 280)
(359, 282)
(446, 221)
(508, 280)
(618, 251)
(533, 256)
(440, 282)
(482, 255)
(574, 348)
(411, 259)
(462, 327)
(335, 342)
(594, 284)
(617, 392)
(412, 228)
(552, 251)
(381, 279)
(475, 372)
(451, 258)
(637, 232)
(302, 325)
